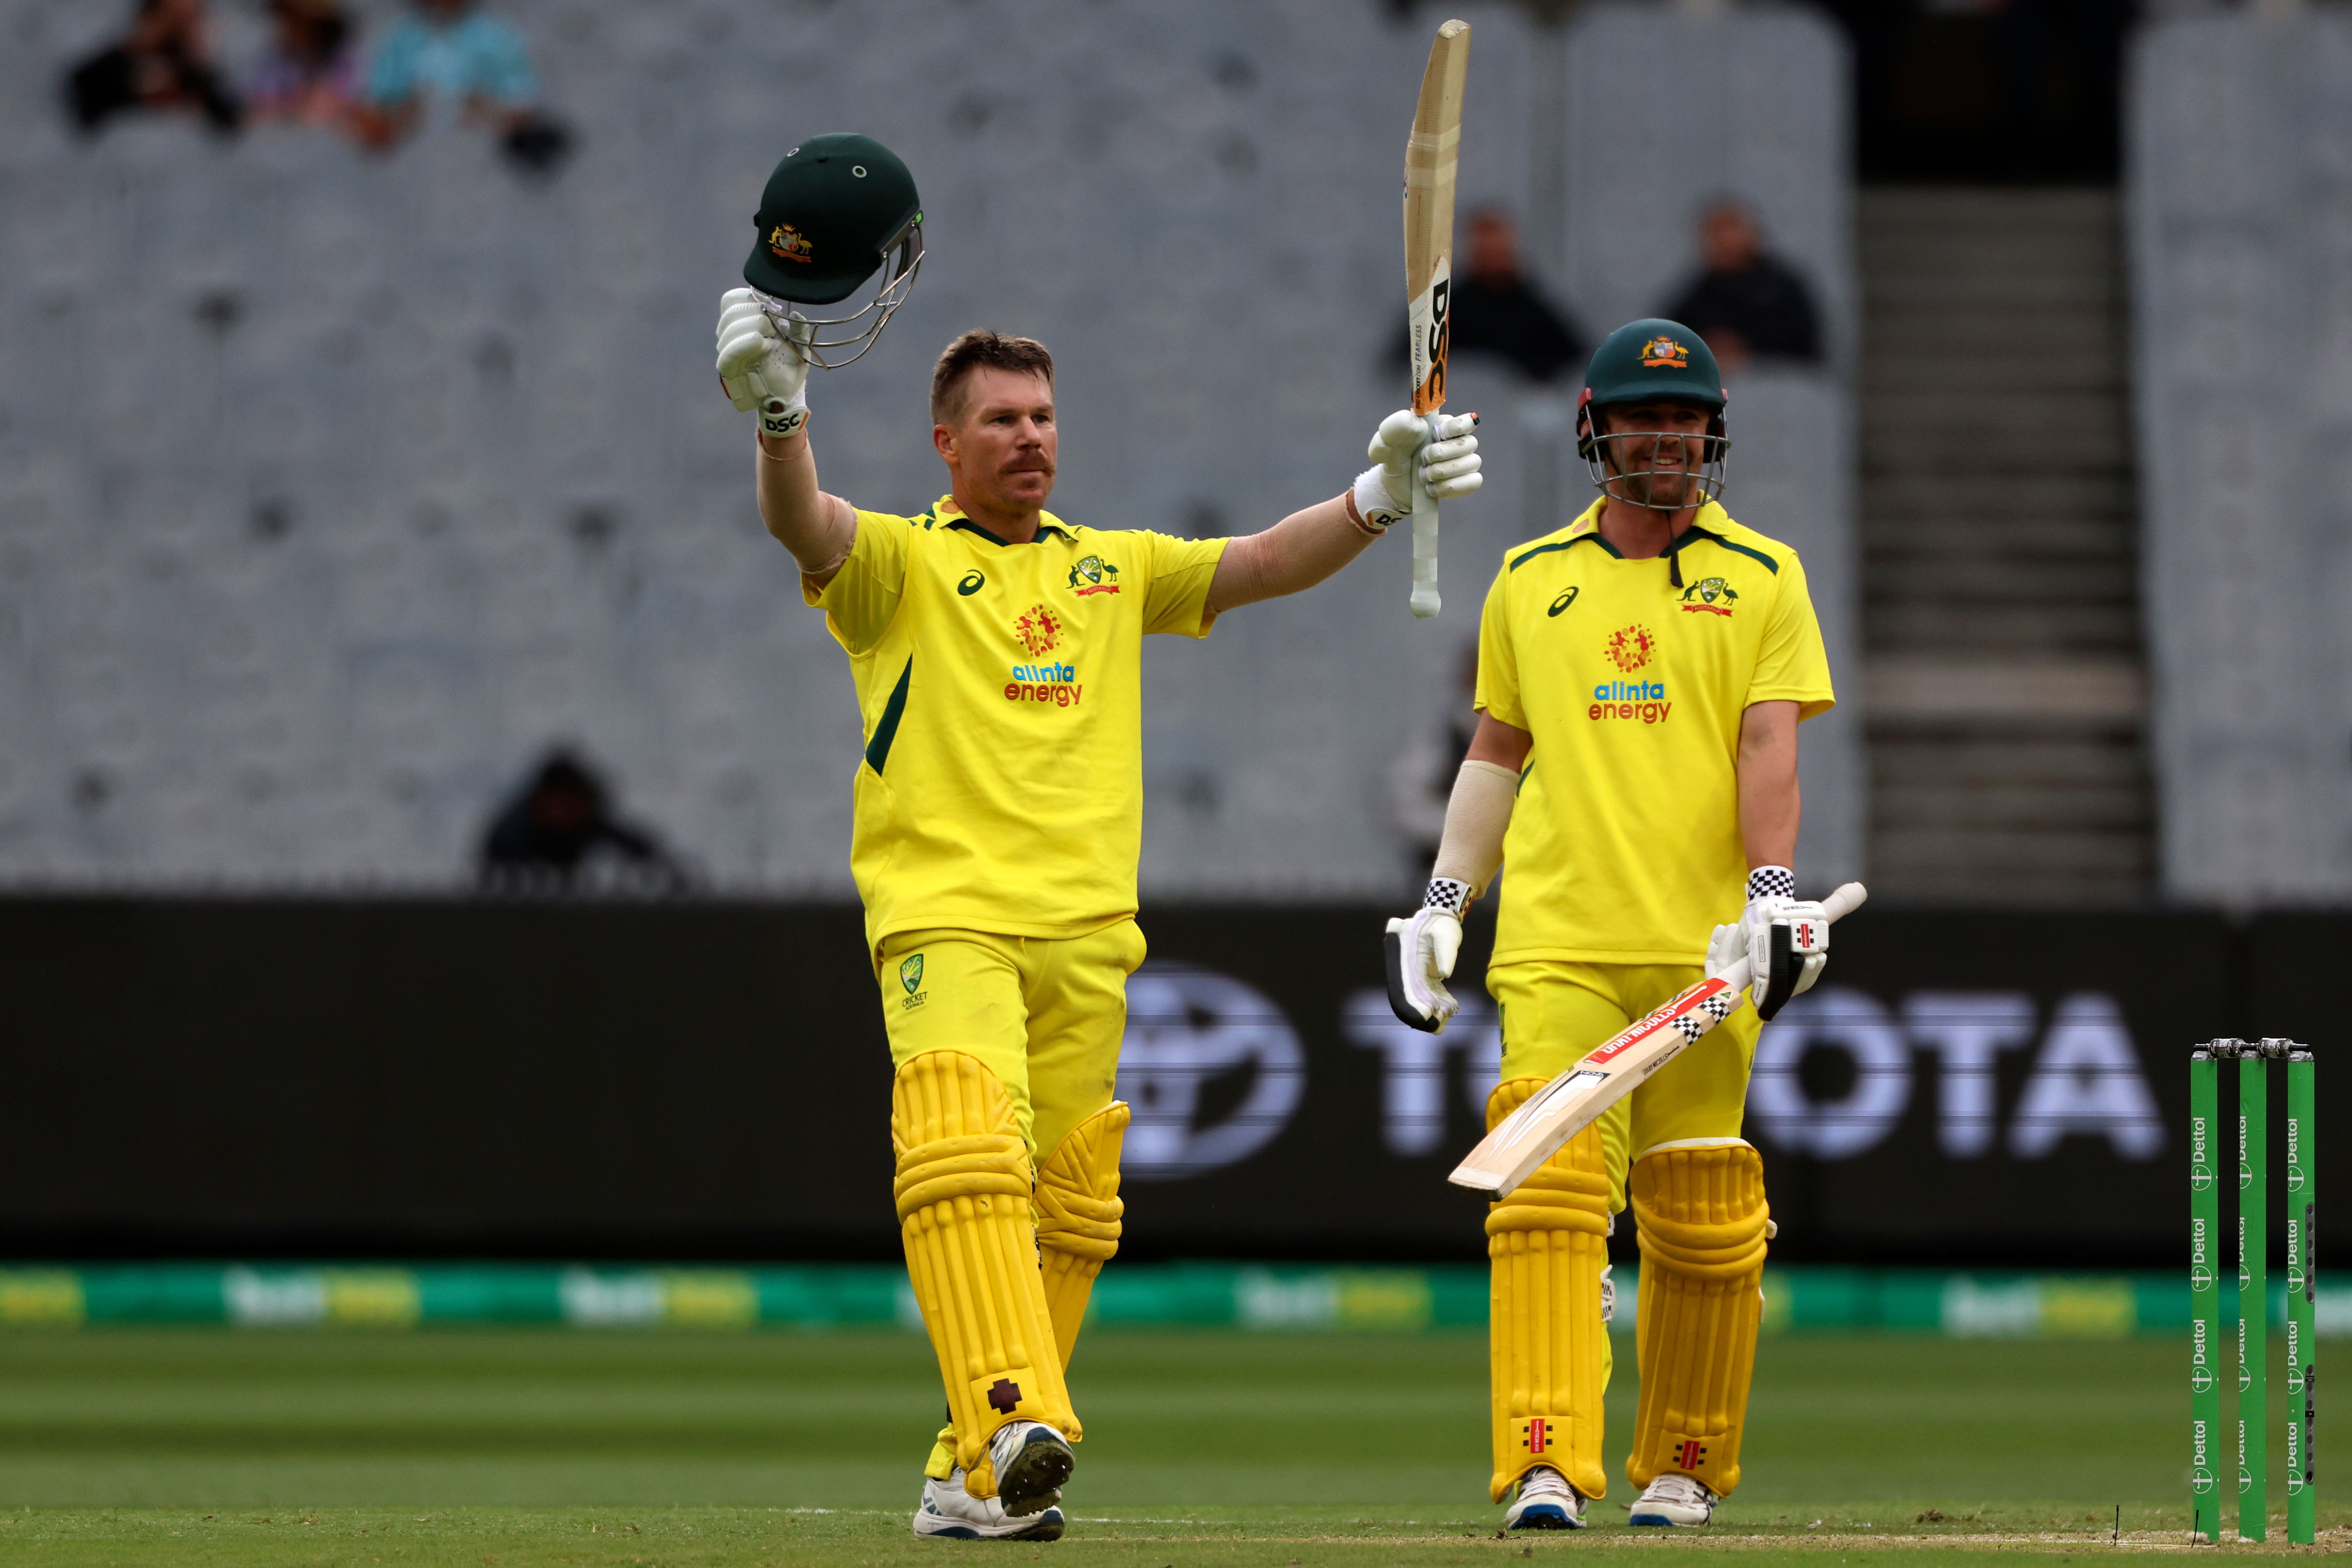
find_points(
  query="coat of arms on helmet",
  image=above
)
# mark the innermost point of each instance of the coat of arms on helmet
(790, 243)
(1663, 351)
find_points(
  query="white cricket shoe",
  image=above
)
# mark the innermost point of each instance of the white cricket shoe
(1546, 1501)
(1032, 1462)
(952, 1514)
(1672, 1499)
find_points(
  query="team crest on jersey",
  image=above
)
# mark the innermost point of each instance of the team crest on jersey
(1663, 352)
(1094, 575)
(911, 975)
(1039, 630)
(1713, 596)
(1630, 648)
(790, 243)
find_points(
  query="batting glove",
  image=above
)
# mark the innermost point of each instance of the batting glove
(1449, 466)
(1421, 951)
(760, 365)
(1786, 941)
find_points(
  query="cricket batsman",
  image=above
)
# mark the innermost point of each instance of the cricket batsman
(997, 654)
(1641, 674)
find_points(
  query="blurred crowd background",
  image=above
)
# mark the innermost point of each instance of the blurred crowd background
(368, 520)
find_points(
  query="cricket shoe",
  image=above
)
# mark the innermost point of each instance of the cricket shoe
(1672, 1499)
(1032, 1462)
(951, 1513)
(1546, 1501)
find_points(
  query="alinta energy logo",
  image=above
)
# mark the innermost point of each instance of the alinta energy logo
(1039, 630)
(1630, 649)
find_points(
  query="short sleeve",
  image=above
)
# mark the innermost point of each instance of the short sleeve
(863, 597)
(1793, 665)
(1498, 661)
(1176, 597)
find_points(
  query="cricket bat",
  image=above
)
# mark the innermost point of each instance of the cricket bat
(1575, 1100)
(1430, 155)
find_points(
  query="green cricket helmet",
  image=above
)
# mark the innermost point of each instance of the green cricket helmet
(838, 210)
(1645, 361)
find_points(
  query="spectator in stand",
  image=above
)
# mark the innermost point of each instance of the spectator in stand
(163, 63)
(446, 62)
(1746, 303)
(1497, 312)
(309, 75)
(561, 832)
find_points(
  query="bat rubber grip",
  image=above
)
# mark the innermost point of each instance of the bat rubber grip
(1425, 602)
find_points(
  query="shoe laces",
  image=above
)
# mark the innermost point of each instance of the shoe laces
(1544, 1481)
(1676, 1487)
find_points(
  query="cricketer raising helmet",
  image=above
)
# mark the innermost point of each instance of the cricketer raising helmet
(1644, 362)
(838, 210)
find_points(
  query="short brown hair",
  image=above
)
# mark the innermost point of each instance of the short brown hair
(978, 349)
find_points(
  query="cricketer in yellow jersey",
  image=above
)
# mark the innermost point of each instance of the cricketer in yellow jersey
(996, 651)
(1641, 674)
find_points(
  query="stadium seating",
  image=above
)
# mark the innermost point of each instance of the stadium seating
(334, 488)
(2240, 219)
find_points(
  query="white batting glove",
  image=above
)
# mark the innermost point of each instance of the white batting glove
(1421, 951)
(759, 365)
(1449, 466)
(1785, 940)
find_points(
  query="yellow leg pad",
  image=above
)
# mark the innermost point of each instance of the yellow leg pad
(1703, 1219)
(971, 1253)
(1078, 1217)
(1548, 1242)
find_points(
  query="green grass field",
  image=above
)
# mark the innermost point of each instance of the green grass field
(526, 1447)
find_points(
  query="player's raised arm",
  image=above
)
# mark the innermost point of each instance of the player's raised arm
(762, 368)
(839, 209)
(1308, 546)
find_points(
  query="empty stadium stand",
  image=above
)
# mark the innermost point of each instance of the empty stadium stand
(2007, 685)
(2240, 232)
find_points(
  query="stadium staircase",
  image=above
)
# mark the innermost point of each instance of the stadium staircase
(2007, 680)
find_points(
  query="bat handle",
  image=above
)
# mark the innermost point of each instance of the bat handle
(1425, 602)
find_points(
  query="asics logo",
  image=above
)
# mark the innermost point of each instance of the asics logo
(1564, 601)
(972, 583)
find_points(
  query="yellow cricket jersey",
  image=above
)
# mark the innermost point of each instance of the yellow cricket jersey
(1002, 788)
(1624, 844)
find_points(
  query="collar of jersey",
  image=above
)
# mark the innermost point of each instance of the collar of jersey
(944, 508)
(1588, 527)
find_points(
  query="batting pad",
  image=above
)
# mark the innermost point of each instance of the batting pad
(971, 1253)
(1078, 1217)
(1548, 1242)
(1701, 1209)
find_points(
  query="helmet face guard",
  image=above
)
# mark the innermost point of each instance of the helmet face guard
(836, 341)
(1621, 462)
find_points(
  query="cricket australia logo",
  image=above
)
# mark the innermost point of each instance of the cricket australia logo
(790, 243)
(1663, 352)
(911, 975)
(1039, 630)
(1094, 575)
(1630, 648)
(1702, 597)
